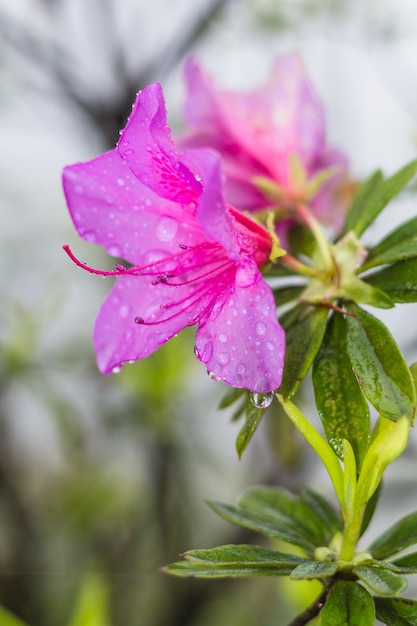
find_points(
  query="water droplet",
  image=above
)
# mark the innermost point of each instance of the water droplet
(260, 328)
(261, 400)
(167, 228)
(90, 236)
(213, 376)
(124, 311)
(241, 369)
(223, 338)
(117, 369)
(270, 346)
(223, 358)
(115, 251)
(120, 182)
(139, 320)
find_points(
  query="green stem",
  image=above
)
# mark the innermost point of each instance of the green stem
(309, 220)
(299, 267)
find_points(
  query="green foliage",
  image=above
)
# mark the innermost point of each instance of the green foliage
(304, 335)
(398, 280)
(91, 607)
(374, 195)
(7, 619)
(396, 611)
(379, 365)
(399, 536)
(348, 604)
(340, 403)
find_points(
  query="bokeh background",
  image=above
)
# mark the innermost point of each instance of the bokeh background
(104, 479)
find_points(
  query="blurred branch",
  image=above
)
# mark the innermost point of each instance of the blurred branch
(107, 115)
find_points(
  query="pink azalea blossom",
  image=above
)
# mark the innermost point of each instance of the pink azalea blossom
(193, 259)
(256, 133)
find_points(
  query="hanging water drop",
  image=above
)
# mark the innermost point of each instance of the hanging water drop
(117, 369)
(261, 400)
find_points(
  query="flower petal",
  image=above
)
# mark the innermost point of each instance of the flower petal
(110, 207)
(242, 342)
(261, 128)
(147, 147)
(118, 338)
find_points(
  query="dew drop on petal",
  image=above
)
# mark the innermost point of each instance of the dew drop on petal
(213, 376)
(260, 328)
(223, 338)
(90, 236)
(241, 369)
(120, 182)
(117, 369)
(223, 358)
(261, 400)
(166, 228)
(115, 251)
(124, 311)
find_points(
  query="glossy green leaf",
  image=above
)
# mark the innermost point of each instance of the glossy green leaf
(381, 581)
(340, 403)
(363, 198)
(314, 569)
(304, 337)
(253, 416)
(270, 523)
(396, 611)
(8, 619)
(379, 365)
(374, 195)
(399, 281)
(407, 564)
(330, 519)
(399, 536)
(272, 500)
(348, 604)
(283, 295)
(318, 443)
(398, 245)
(230, 397)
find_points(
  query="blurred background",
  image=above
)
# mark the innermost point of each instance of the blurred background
(104, 479)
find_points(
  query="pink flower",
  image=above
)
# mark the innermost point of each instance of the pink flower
(194, 259)
(256, 134)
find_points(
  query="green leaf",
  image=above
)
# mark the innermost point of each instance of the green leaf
(348, 604)
(366, 192)
(400, 244)
(314, 569)
(374, 195)
(253, 416)
(318, 443)
(301, 240)
(8, 619)
(381, 581)
(399, 281)
(91, 607)
(283, 295)
(273, 500)
(370, 508)
(340, 403)
(230, 397)
(304, 337)
(399, 536)
(396, 611)
(324, 511)
(270, 523)
(379, 365)
(407, 564)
